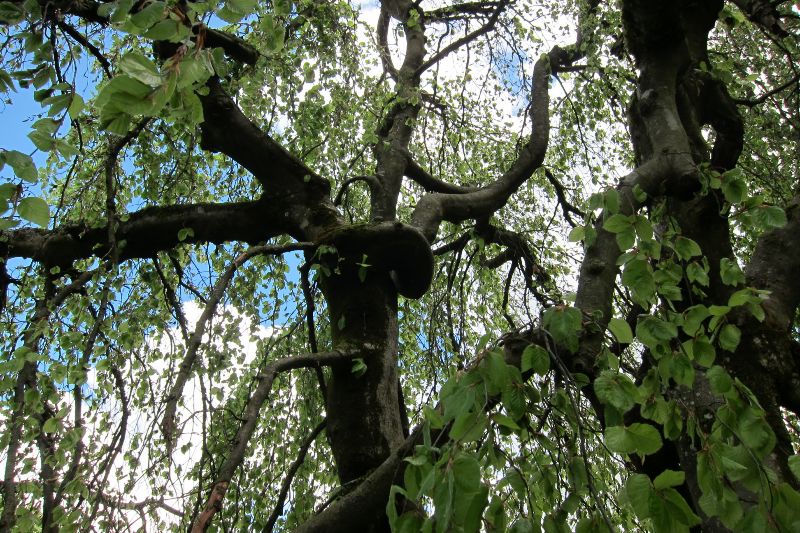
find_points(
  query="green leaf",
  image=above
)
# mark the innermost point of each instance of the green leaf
(42, 140)
(535, 358)
(140, 68)
(653, 331)
(686, 248)
(702, 351)
(669, 478)
(76, 105)
(611, 201)
(577, 234)
(185, 233)
(719, 379)
(642, 439)
(50, 425)
(626, 239)
(638, 276)
(564, 324)
(794, 465)
(23, 165)
(771, 216)
(618, 223)
(697, 274)
(729, 337)
(468, 427)
(467, 472)
(693, 318)
(733, 187)
(621, 330)
(359, 367)
(638, 491)
(730, 272)
(35, 210)
(677, 508)
(11, 13)
(164, 30)
(617, 390)
(149, 15)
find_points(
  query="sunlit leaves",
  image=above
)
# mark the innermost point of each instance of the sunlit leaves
(22, 165)
(140, 68)
(35, 210)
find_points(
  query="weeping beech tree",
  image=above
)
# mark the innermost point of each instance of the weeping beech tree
(427, 266)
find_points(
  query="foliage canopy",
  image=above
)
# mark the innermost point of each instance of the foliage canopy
(427, 266)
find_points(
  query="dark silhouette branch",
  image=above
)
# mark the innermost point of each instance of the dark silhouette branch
(287, 481)
(466, 39)
(250, 420)
(192, 346)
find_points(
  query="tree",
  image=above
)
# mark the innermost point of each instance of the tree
(307, 268)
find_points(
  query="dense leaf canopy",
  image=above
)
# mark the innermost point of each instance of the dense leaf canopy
(429, 266)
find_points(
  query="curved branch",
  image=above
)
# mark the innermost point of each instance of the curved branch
(372, 181)
(418, 174)
(432, 209)
(381, 32)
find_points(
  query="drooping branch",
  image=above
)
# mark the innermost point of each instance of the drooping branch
(366, 503)
(287, 481)
(27, 380)
(83, 41)
(187, 364)
(466, 39)
(250, 420)
(566, 206)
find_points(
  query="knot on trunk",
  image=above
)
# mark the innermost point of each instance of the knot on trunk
(393, 247)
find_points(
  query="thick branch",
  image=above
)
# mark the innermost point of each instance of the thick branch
(149, 231)
(764, 14)
(225, 129)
